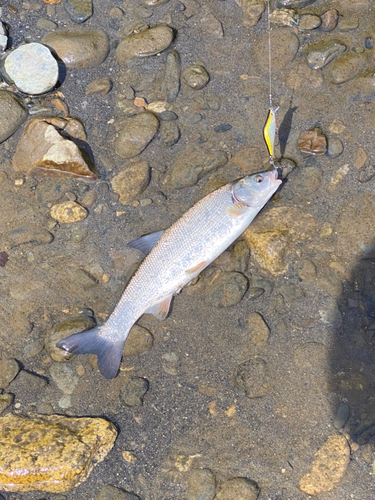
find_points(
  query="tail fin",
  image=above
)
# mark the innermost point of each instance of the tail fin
(90, 342)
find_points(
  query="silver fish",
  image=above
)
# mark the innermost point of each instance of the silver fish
(177, 255)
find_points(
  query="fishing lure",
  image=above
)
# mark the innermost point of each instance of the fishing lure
(269, 132)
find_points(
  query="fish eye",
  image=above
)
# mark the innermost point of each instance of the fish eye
(258, 178)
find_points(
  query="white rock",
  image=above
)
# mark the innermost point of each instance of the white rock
(3, 37)
(32, 68)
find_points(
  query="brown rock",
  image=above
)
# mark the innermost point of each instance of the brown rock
(100, 86)
(79, 49)
(313, 142)
(131, 182)
(41, 149)
(329, 20)
(273, 235)
(259, 330)
(13, 113)
(329, 465)
(52, 452)
(68, 212)
(360, 158)
(137, 134)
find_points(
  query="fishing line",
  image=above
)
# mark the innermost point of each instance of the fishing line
(269, 53)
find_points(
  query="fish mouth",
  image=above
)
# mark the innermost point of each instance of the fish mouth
(274, 177)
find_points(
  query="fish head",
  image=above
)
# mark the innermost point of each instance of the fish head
(255, 190)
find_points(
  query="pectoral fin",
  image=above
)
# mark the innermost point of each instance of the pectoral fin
(237, 209)
(146, 243)
(161, 309)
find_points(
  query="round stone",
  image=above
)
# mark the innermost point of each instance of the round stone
(196, 77)
(67, 212)
(13, 113)
(32, 68)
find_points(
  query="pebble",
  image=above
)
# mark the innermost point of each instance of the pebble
(283, 17)
(43, 149)
(3, 37)
(131, 182)
(307, 270)
(348, 67)
(227, 289)
(154, 3)
(68, 212)
(30, 233)
(79, 49)
(273, 238)
(329, 466)
(100, 86)
(241, 254)
(291, 293)
(320, 54)
(170, 363)
(369, 44)
(253, 10)
(79, 10)
(223, 127)
(5, 401)
(64, 377)
(192, 164)
(308, 22)
(61, 451)
(9, 369)
(139, 342)
(329, 20)
(312, 142)
(201, 485)
(366, 174)
(308, 181)
(259, 330)
(138, 133)
(335, 147)
(294, 4)
(112, 493)
(46, 24)
(196, 77)
(341, 416)
(168, 116)
(169, 134)
(129, 456)
(32, 68)
(171, 82)
(133, 393)
(3, 259)
(89, 198)
(348, 23)
(13, 113)
(145, 43)
(238, 488)
(62, 330)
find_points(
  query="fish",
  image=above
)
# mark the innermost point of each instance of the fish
(174, 258)
(269, 131)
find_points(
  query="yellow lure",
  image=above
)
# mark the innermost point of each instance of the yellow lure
(269, 131)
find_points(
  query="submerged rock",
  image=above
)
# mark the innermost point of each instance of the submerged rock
(13, 113)
(253, 10)
(3, 37)
(79, 10)
(226, 289)
(133, 393)
(196, 77)
(131, 182)
(9, 369)
(42, 149)
(68, 212)
(52, 452)
(137, 135)
(239, 488)
(322, 53)
(313, 142)
(330, 464)
(112, 493)
(29, 233)
(79, 49)
(201, 485)
(329, 20)
(100, 86)
(348, 67)
(146, 43)
(32, 68)
(171, 81)
(254, 378)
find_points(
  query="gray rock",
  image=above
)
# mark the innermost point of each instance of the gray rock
(32, 68)
(171, 81)
(3, 37)
(335, 147)
(131, 182)
(112, 493)
(28, 234)
(342, 416)
(238, 488)
(133, 393)
(100, 86)
(145, 43)
(5, 401)
(170, 363)
(79, 10)
(137, 134)
(322, 53)
(308, 22)
(366, 174)
(192, 164)
(64, 377)
(9, 369)
(79, 49)
(167, 116)
(139, 342)
(196, 77)
(46, 24)
(227, 289)
(13, 113)
(169, 134)
(306, 270)
(154, 3)
(293, 4)
(259, 330)
(201, 485)
(348, 67)
(34, 383)
(291, 292)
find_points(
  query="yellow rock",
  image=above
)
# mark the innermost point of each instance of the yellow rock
(51, 452)
(68, 211)
(273, 235)
(330, 464)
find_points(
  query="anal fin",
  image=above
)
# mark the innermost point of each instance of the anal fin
(161, 309)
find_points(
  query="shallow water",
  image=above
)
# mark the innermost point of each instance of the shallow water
(314, 361)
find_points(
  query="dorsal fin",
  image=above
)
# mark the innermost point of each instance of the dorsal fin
(146, 243)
